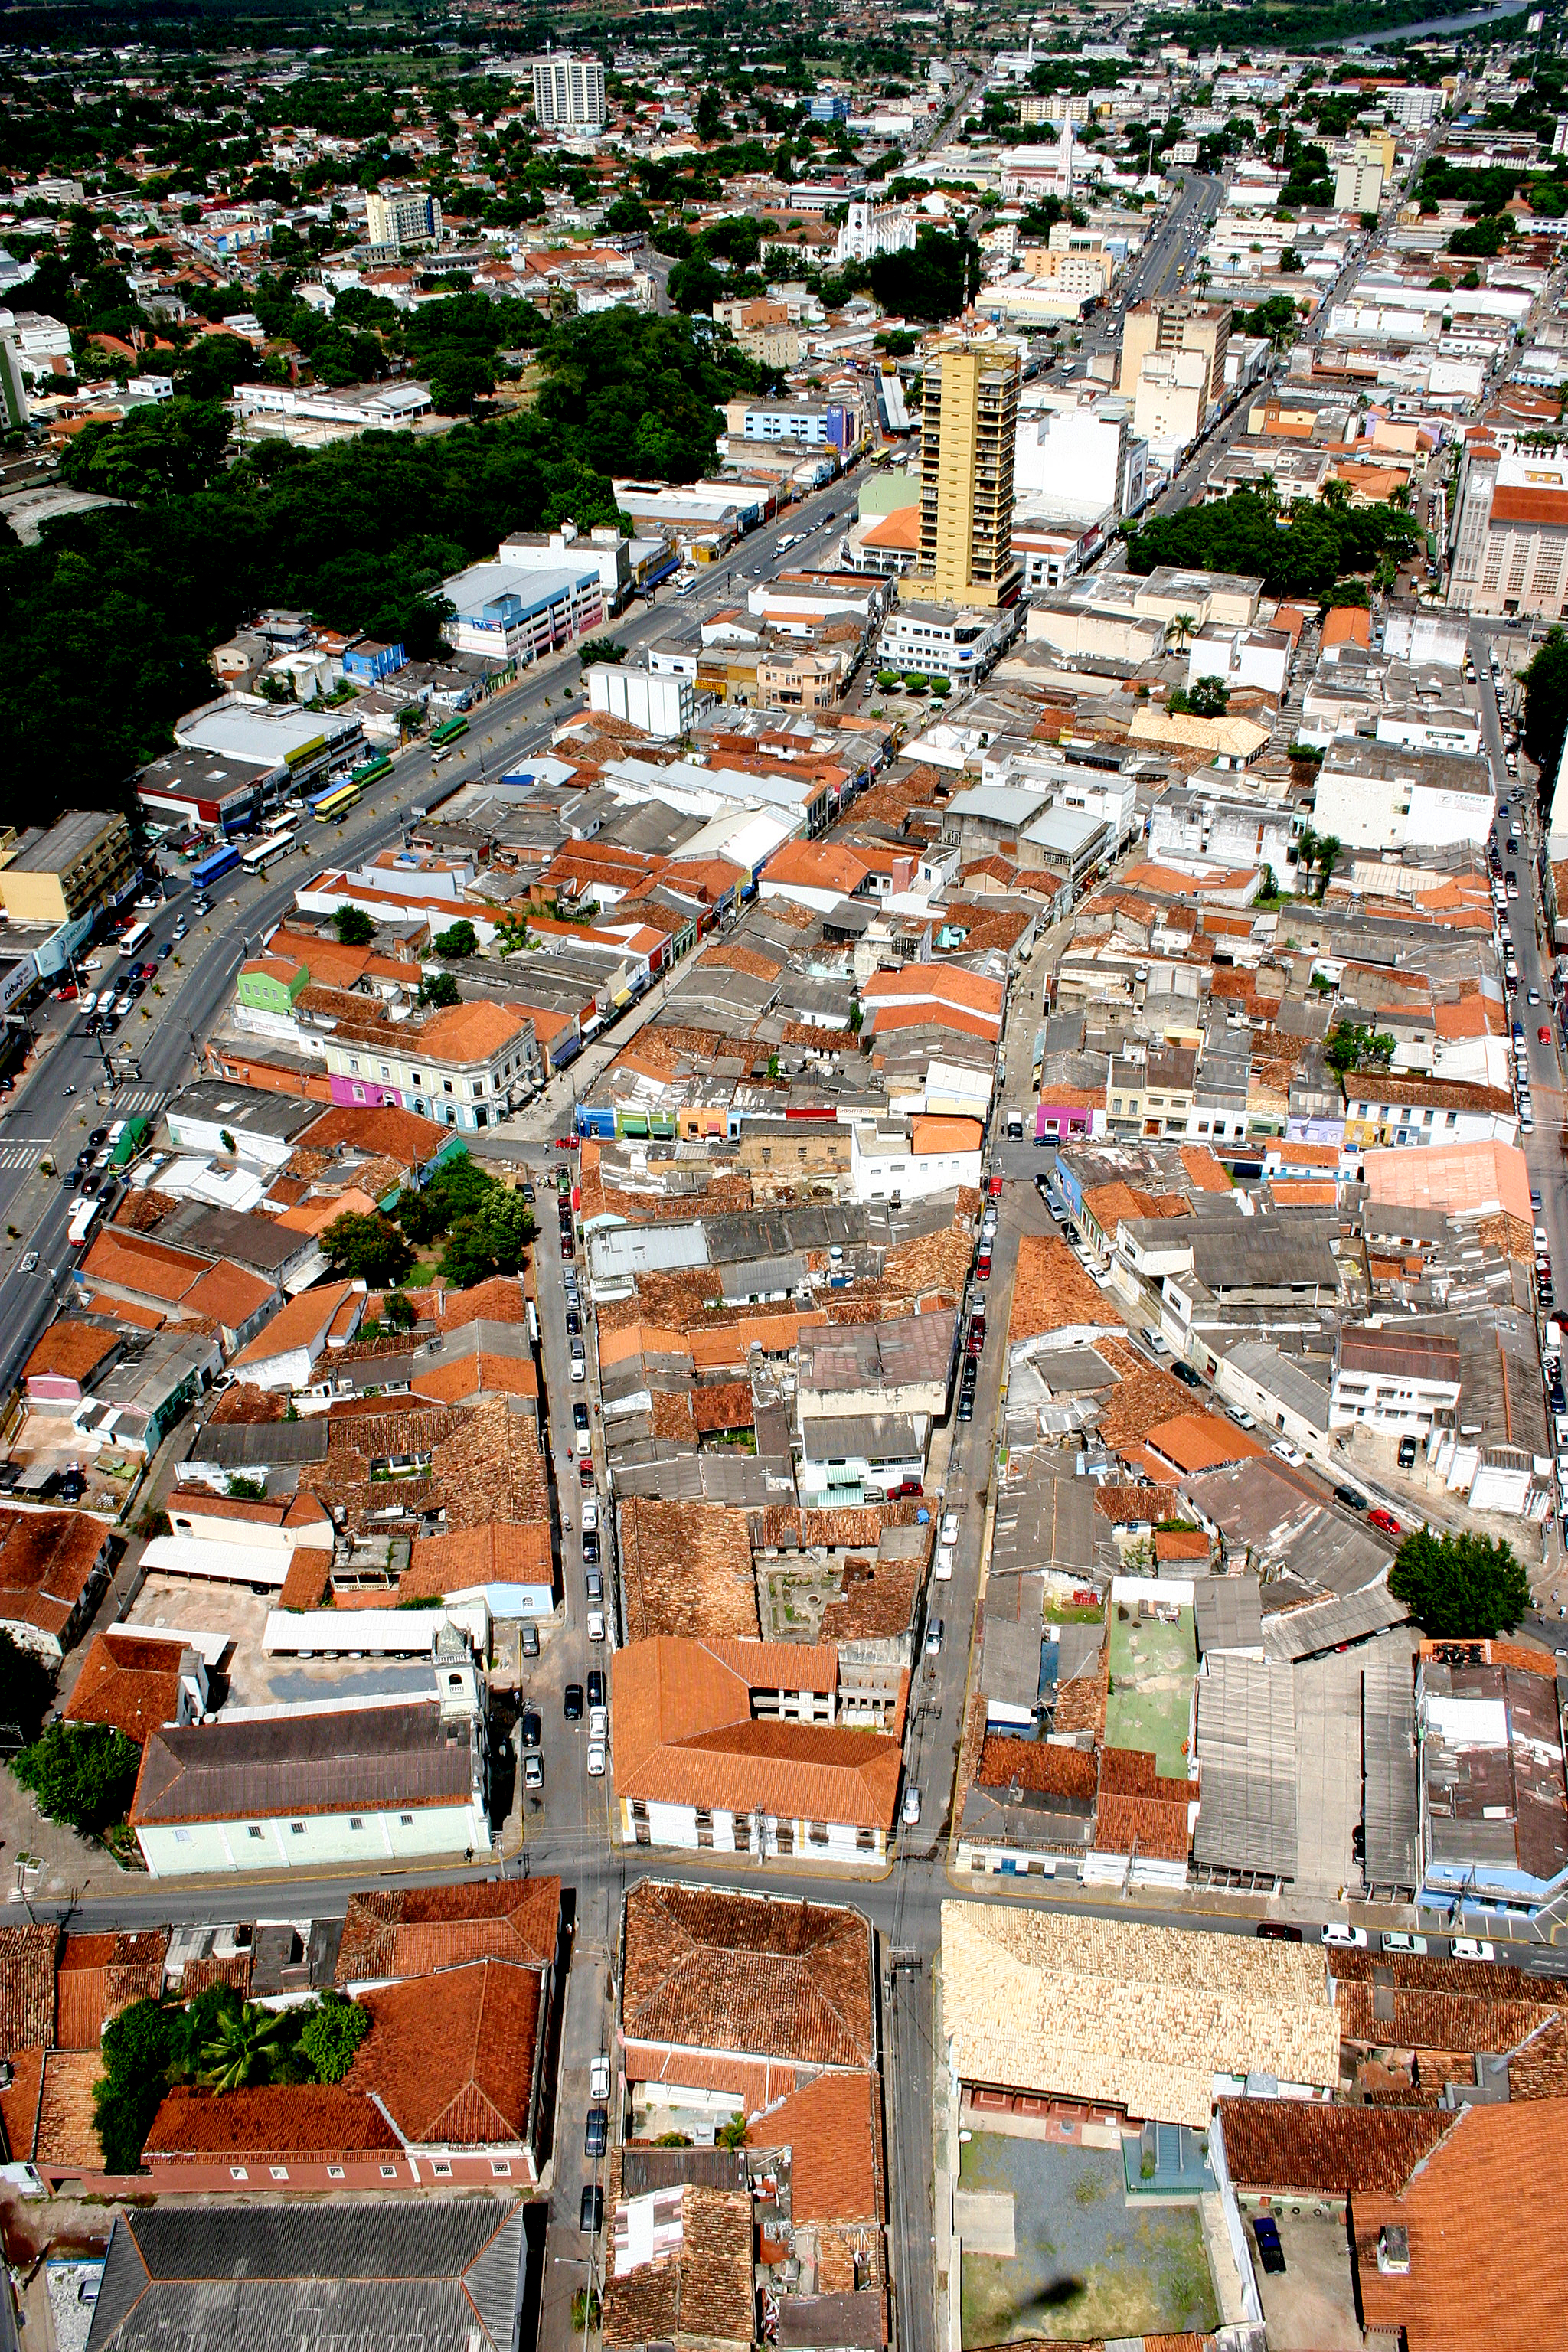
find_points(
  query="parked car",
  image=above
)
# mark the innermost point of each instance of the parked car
(1186, 1375)
(599, 2077)
(571, 1702)
(1394, 1939)
(934, 1633)
(598, 1722)
(597, 2135)
(532, 1771)
(911, 1807)
(949, 1528)
(966, 1405)
(579, 1414)
(1270, 2252)
(1469, 1947)
(530, 1641)
(596, 1759)
(590, 1548)
(532, 1726)
(1288, 1452)
(1341, 1936)
(1278, 1931)
(1407, 1454)
(574, 1324)
(1348, 1496)
(595, 1624)
(1384, 1521)
(591, 2210)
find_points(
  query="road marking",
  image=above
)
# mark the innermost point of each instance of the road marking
(20, 1155)
(141, 1099)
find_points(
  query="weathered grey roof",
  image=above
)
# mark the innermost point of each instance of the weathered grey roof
(375, 2276)
(1324, 1624)
(246, 1445)
(868, 1436)
(309, 1763)
(1247, 1767)
(1228, 1613)
(1391, 1797)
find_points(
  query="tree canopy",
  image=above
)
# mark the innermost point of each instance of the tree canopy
(1303, 556)
(1459, 1587)
(1546, 706)
(83, 1773)
(367, 1248)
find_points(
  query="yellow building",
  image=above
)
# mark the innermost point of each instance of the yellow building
(1361, 176)
(967, 438)
(83, 861)
(1154, 328)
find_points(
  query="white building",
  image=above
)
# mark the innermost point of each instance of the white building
(569, 93)
(1081, 462)
(661, 704)
(1171, 398)
(872, 228)
(1240, 657)
(548, 550)
(516, 613)
(912, 1158)
(1383, 796)
(937, 640)
(1394, 1379)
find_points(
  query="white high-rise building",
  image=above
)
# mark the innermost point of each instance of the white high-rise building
(569, 93)
(402, 216)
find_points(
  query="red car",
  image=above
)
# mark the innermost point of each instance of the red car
(1543, 1035)
(1386, 1522)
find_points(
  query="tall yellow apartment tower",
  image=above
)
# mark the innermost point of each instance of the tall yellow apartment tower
(968, 434)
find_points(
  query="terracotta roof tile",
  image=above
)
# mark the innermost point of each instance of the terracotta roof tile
(686, 1570)
(414, 1931)
(47, 1561)
(830, 2125)
(1051, 1292)
(452, 2056)
(70, 1350)
(129, 1679)
(270, 2124)
(26, 1988)
(707, 1968)
(1295, 2145)
(67, 2129)
(1043, 1767)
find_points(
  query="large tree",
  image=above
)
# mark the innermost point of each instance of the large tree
(1459, 1587)
(83, 1773)
(1546, 707)
(367, 1249)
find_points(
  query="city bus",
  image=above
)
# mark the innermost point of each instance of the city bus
(336, 801)
(83, 1218)
(448, 731)
(132, 941)
(267, 853)
(214, 867)
(373, 774)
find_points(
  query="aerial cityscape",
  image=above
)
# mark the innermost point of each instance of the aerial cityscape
(783, 1010)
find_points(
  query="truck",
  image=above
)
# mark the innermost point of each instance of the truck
(1014, 1126)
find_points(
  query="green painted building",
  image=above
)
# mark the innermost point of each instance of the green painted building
(271, 984)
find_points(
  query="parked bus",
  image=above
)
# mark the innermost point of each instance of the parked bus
(267, 853)
(335, 802)
(448, 731)
(214, 867)
(83, 1218)
(135, 939)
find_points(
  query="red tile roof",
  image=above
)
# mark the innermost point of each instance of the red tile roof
(129, 1679)
(268, 2125)
(451, 2057)
(1297, 2147)
(414, 1931)
(719, 1971)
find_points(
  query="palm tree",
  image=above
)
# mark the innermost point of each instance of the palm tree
(1306, 853)
(244, 2049)
(1182, 628)
(1327, 851)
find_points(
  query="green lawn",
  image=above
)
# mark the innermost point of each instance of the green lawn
(1152, 1668)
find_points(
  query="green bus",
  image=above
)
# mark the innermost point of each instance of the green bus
(448, 731)
(373, 774)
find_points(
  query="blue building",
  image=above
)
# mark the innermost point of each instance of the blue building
(827, 106)
(370, 661)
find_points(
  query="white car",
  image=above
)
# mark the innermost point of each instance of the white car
(1288, 1452)
(88, 1003)
(1467, 1947)
(579, 1369)
(595, 1624)
(1396, 1940)
(599, 2077)
(599, 1723)
(596, 1761)
(911, 1812)
(590, 1515)
(1343, 1937)
(944, 1558)
(949, 1528)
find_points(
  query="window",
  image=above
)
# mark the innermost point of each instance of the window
(334, 2172)
(406, 1821)
(238, 2172)
(446, 1085)
(253, 1830)
(501, 2167)
(384, 1069)
(389, 2172)
(442, 2168)
(359, 1094)
(418, 1081)
(354, 1065)
(296, 1828)
(182, 1837)
(355, 1823)
(280, 2172)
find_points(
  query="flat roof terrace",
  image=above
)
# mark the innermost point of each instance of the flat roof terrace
(1154, 1665)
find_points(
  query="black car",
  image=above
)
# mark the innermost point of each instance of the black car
(1270, 2252)
(597, 2135)
(589, 1549)
(532, 1728)
(574, 1324)
(571, 1703)
(99, 1135)
(1350, 1498)
(528, 1194)
(1186, 1375)
(1407, 1454)
(966, 1405)
(1278, 1931)
(579, 1415)
(591, 2211)
(595, 1686)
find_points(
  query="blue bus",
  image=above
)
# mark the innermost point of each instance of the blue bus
(214, 867)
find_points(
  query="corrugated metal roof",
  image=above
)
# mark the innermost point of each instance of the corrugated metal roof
(1247, 1768)
(1391, 1797)
(1308, 1632)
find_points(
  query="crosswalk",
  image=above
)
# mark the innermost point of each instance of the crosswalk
(20, 1155)
(143, 1101)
